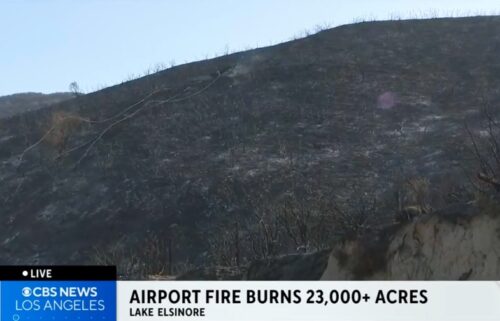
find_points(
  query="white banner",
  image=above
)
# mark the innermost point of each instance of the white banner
(293, 300)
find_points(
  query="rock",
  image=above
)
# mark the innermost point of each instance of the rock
(432, 247)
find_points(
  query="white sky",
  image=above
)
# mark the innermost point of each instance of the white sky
(45, 45)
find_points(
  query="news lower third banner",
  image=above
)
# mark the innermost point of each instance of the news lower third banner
(57, 293)
(92, 293)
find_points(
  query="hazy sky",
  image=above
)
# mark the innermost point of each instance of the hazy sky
(45, 45)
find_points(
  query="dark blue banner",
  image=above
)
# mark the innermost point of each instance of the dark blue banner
(58, 300)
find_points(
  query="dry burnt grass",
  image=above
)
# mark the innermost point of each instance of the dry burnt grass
(275, 150)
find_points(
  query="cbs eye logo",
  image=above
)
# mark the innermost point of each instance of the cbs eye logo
(26, 292)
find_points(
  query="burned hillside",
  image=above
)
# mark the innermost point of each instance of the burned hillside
(286, 149)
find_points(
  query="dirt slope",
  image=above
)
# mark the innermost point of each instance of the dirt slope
(430, 248)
